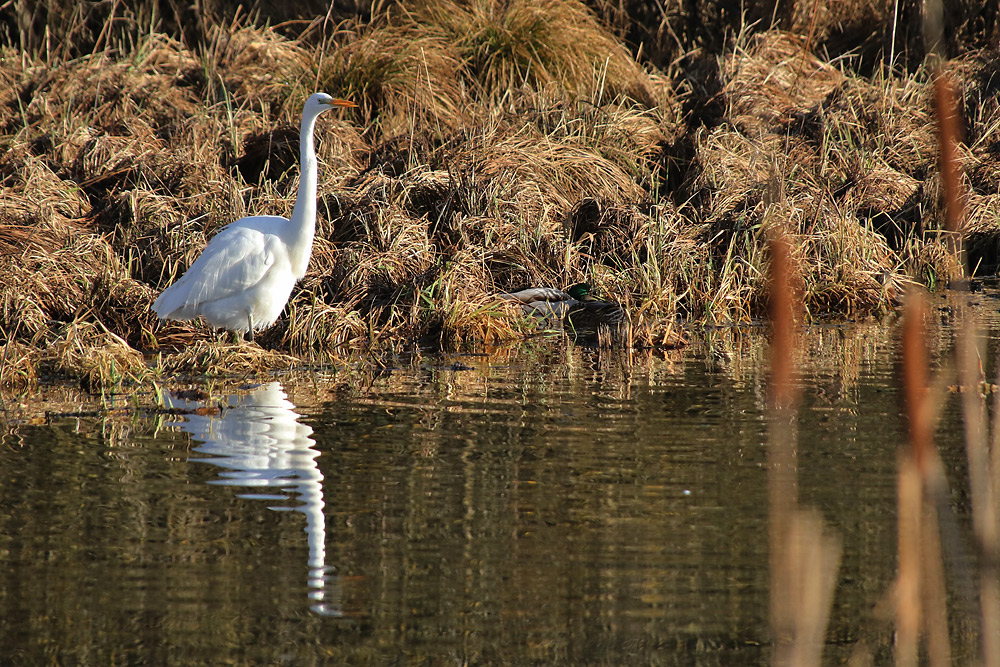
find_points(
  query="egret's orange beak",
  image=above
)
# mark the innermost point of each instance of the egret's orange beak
(341, 103)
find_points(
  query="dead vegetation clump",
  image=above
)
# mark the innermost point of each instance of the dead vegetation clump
(769, 83)
(18, 370)
(214, 358)
(99, 358)
(250, 64)
(402, 75)
(889, 119)
(978, 73)
(34, 195)
(48, 281)
(538, 178)
(505, 46)
(846, 165)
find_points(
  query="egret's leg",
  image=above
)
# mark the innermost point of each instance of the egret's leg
(249, 335)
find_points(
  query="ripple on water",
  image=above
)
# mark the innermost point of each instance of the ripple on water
(552, 505)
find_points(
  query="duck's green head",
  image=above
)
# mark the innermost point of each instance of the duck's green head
(579, 291)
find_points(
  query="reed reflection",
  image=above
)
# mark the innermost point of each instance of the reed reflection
(258, 441)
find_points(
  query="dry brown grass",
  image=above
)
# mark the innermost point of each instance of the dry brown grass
(402, 75)
(99, 358)
(855, 165)
(204, 358)
(505, 46)
(498, 145)
(18, 371)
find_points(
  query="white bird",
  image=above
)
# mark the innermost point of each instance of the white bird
(244, 276)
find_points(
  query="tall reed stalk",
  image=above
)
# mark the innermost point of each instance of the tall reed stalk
(981, 463)
(927, 532)
(804, 555)
(920, 601)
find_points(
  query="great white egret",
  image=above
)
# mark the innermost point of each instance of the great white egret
(244, 276)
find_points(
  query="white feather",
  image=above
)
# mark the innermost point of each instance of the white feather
(244, 276)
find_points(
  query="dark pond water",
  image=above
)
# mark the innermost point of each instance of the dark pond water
(551, 504)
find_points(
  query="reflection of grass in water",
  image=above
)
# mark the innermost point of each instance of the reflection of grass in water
(492, 150)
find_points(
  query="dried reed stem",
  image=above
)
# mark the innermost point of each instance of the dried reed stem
(921, 602)
(784, 312)
(949, 134)
(908, 607)
(982, 484)
(981, 490)
(804, 556)
(933, 591)
(915, 381)
(781, 452)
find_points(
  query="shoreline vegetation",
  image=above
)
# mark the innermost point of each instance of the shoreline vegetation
(497, 145)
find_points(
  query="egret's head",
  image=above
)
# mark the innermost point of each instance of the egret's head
(320, 102)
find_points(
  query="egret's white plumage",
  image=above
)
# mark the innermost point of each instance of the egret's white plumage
(244, 276)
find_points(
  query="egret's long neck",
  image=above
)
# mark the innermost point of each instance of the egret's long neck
(303, 222)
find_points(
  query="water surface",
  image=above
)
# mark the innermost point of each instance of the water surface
(549, 504)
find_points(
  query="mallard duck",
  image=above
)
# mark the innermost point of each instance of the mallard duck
(575, 307)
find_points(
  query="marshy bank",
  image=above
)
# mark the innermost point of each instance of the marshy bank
(497, 146)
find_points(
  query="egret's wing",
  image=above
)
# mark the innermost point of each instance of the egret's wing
(234, 260)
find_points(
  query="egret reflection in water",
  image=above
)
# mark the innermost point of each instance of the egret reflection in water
(258, 441)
